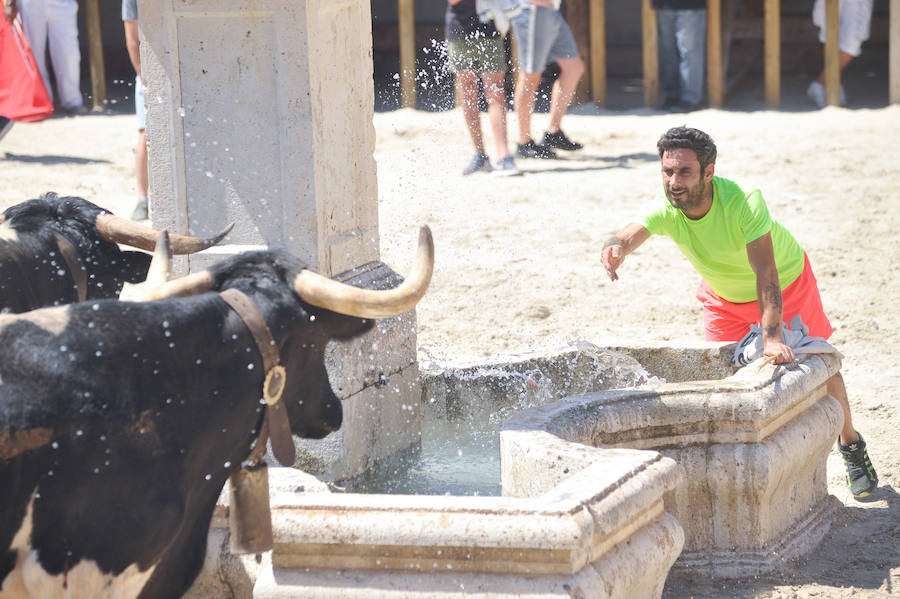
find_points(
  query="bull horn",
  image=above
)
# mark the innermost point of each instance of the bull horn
(157, 275)
(120, 230)
(339, 297)
(192, 284)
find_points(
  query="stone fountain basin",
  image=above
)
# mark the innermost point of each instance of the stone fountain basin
(602, 491)
(753, 447)
(603, 531)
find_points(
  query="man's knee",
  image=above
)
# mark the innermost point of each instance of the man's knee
(573, 67)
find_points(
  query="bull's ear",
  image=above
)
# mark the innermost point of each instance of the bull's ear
(134, 266)
(340, 326)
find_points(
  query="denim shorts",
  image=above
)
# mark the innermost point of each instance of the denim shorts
(482, 55)
(543, 36)
(139, 109)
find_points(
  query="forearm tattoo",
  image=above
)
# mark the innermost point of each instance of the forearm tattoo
(772, 297)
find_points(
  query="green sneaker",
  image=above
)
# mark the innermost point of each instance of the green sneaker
(861, 476)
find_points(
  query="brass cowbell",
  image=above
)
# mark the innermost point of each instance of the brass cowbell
(249, 515)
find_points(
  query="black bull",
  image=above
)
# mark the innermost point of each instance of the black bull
(121, 421)
(57, 250)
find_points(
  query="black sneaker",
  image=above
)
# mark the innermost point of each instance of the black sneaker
(530, 149)
(559, 141)
(480, 162)
(861, 476)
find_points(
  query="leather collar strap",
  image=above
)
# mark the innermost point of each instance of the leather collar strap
(273, 385)
(76, 266)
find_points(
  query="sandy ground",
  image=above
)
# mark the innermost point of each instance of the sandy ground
(518, 265)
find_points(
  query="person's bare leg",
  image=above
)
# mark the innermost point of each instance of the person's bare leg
(140, 164)
(570, 71)
(495, 93)
(837, 390)
(843, 60)
(526, 88)
(467, 93)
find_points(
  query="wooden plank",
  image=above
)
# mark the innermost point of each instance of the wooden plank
(894, 48)
(406, 19)
(95, 54)
(577, 18)
(714, 75)
(598, 51)
(832, 59)
(772, 19)
(650, 49)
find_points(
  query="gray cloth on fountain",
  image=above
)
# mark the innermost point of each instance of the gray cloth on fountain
(795, 335)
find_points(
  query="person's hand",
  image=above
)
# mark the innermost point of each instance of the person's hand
(542, 2)
(776, 352)
(10, 10)
(612, 257)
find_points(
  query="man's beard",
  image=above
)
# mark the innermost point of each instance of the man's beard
(690, 198)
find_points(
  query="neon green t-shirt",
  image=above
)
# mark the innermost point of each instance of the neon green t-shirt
(717, 243)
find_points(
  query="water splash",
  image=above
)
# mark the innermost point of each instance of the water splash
(464, 408)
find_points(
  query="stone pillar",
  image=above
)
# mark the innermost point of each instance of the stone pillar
(259, 113)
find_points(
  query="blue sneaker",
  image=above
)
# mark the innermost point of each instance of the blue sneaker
(480, 162)
(506, 167)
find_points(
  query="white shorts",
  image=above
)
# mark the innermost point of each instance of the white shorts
(855, 20)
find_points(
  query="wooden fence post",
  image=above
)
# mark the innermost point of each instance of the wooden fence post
(406, 25)
(714, 75)
(772, 43)
(598, 51)
(894, 45)
(832, 58)
(95, 54)
(650, 50)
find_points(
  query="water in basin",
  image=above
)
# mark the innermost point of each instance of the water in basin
(459, 451)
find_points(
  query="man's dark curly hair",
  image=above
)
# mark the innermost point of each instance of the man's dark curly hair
(689, 139)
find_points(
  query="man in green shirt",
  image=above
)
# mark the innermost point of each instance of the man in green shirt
(753, 269)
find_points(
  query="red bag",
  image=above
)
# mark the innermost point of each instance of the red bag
(23, 96)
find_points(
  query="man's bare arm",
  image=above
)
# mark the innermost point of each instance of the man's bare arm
(768, 292)
(133, 44)
(623, 243)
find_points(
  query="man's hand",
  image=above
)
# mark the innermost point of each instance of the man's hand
(10, 10)
(620, 245)
(542, 2)
(612, 257)
(776, 352)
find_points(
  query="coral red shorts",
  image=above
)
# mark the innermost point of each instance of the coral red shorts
(727, 321)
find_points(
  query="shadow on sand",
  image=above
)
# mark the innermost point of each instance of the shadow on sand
(50, 159)
(858, 553)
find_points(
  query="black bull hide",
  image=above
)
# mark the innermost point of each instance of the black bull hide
(120, 423)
